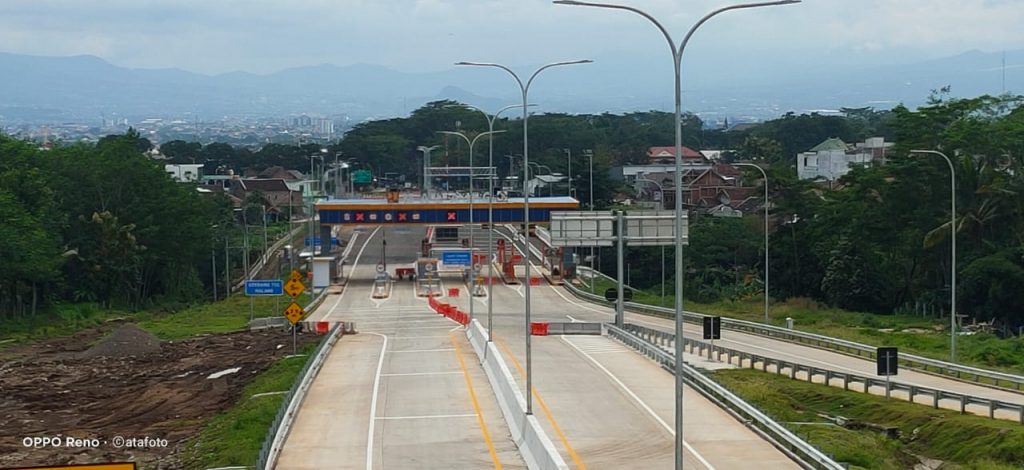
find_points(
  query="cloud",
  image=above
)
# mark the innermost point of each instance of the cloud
(268, 35)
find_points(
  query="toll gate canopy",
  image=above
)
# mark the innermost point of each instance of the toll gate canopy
(437, 211)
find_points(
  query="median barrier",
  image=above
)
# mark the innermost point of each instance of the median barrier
(453, 292)
(536, 448)
(534, 281)
(539, 328)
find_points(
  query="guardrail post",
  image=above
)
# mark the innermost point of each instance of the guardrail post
(963, 404)
(846, 382)
(913, 391)
(792, 371)
(992, 410)
(935, 403)
(1021, 415)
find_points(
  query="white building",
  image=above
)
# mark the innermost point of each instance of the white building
(833, 158)
(185, 173)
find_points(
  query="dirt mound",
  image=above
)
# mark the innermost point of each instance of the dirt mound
(126, 341)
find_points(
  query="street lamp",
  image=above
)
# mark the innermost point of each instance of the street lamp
(472, 229)
(525, 89)
(490, 214)
(952, 229)
(751, 165)
(677, 56)
(568, 161)
(425, 190)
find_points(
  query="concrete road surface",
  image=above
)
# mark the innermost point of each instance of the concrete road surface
(405, 392)
(605, 406)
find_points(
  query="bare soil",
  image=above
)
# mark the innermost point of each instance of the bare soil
(118, 380)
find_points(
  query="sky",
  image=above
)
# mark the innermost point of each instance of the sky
(264, 36)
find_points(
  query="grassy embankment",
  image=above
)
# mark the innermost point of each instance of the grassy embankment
(966, 441)
(924, 336)
(234, 437)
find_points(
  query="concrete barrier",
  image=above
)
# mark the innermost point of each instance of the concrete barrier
(574, 328)
(536, 448)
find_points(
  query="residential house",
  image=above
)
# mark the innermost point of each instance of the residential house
(714, 189)
(279, 198)
(833, 158)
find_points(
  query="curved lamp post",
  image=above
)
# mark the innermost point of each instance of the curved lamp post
(472, 230)
(490, 212)
(677, 56)
(952, 229)
(525, 89)
(751, 165)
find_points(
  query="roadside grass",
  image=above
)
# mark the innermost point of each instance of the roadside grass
(223, 316)
(968, 441)
(62, 320)
(924, 336)
(234, 437)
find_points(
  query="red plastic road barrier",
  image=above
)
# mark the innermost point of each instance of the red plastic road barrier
(453, 292)
(539, 328)
(322, 327)
(534, 281)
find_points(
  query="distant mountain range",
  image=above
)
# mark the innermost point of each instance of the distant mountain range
(84, 89)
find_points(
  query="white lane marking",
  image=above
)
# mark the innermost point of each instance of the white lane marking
(420, 350)
(351, 270)
(571, 319)
(457, 328)
(424, 327)
(373, 402)
(641, 403)
(417, 337)
(409, 374)
(426, 417)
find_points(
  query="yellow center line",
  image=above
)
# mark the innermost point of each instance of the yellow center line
(476, 404)
(543, 406)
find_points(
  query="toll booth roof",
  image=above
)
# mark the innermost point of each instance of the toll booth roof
(420, 203)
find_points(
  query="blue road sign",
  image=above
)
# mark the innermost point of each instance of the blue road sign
(316, 241)
(264, 288)
(455, 258)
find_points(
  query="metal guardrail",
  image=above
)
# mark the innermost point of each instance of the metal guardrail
(798, 449)
(663, 339)
(934, 366)
(268, 455)
(289, 406)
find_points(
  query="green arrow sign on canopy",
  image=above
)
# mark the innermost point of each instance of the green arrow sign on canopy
(362, 176)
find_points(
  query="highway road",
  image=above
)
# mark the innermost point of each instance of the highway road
(807, 355)
(605, 406)
(407, 391)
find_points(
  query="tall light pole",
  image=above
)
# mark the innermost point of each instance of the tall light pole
(568, 161)
(425, 190)
(952, 229)
(677, 57)
(765, 175)
(525, 89)
(472, 229)
(490, 214)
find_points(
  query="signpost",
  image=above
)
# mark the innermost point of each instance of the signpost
(294, 312)
(264, 288)
(267, 288)
(887, 360)
(456, 258)
(712, 331)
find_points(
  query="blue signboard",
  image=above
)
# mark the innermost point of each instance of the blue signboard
(264, 288)
(316, 241)
(455, 258)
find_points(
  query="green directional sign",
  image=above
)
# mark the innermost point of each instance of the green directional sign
(362, 176)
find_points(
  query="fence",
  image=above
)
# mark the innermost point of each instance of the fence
(279, 428)
(933, 366)
(798, 449)
(794, 370)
